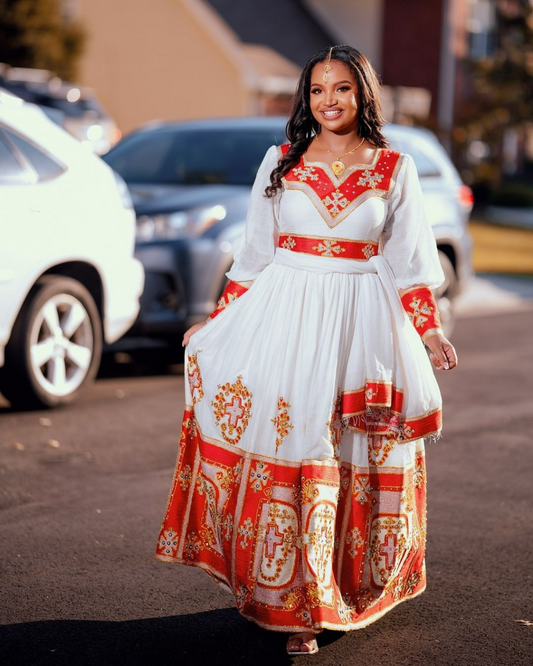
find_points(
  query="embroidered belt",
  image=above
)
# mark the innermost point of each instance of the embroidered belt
(329, 247)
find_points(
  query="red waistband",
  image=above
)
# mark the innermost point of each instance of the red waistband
(341, 248)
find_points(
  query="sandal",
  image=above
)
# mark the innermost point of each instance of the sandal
(303, 634)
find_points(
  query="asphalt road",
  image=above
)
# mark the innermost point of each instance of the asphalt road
(82, 494)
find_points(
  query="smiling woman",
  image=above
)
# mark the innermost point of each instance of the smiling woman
(300, 481)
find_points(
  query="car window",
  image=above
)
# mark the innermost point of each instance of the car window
(44, 166)
(72, 109)
(141, 158)
(424, 165)
(11, 170)
(196, 157)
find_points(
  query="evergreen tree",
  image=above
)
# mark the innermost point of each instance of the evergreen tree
(34, 33)
(506, 80)
(502, 95)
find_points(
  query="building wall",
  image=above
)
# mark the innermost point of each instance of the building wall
(162, 59)
(411, 45)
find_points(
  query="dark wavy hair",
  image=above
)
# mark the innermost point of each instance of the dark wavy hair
(302, 127)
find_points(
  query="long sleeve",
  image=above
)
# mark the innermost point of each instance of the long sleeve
(256, 248)
(408, 242)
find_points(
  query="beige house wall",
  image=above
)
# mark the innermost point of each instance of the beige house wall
(163, 59)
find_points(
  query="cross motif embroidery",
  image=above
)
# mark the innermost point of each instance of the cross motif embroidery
(288, 243)
(337, 201)
(419, 311)
(232, 409)
(388, 549)
(369, 250)
(273, 539)
(370, 178)
(194, 380)
(369, 394)
(323, 542)
(329, 248)
(304, 173)
(235, 410)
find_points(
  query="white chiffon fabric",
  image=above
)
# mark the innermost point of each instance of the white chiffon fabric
(311, 327)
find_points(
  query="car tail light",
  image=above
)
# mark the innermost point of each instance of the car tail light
(466, 196)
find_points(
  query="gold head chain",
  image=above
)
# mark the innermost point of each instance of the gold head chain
(327, 66)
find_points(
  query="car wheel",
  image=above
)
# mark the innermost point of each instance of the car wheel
(445, 294)
(55, 346)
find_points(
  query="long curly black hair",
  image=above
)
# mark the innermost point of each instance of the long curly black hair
(302, 127)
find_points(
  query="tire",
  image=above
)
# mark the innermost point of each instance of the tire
(55, 346)
(445, 294)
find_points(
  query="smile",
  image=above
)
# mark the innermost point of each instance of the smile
(333, 113)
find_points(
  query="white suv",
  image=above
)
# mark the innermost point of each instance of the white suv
(68, 278)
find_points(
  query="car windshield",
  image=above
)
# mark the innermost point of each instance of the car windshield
(193, 157)
(72, 109)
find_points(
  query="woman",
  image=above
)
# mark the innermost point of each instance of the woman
(300, 481)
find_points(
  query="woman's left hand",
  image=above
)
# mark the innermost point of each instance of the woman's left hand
(443, 354)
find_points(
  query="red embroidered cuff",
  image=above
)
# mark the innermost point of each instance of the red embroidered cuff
(419, 303)
(231, 293)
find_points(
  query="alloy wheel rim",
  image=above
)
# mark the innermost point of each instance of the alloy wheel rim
(61, 345)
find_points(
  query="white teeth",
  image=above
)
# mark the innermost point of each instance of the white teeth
(331, 113)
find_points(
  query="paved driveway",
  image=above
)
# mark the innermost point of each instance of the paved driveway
(82, 492)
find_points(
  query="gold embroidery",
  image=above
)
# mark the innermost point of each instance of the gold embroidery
(369, 250)
(420, 312)
(195, 378)
(354, 541)
(234, 402)
(329, 248)
(168, 542)
(282, 421)
(335, 203)
(305, 173)
(335, 426)
(288, 243)
(370, 178)
(185, 477)
(259, 476)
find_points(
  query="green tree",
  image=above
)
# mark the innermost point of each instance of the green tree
(34, 33)
(502, 94)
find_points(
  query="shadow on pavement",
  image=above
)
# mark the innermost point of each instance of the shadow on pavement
(145, 364)
(211, 637)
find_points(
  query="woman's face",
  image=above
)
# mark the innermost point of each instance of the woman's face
(334, 104)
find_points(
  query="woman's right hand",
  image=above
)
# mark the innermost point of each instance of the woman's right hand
(192, 330)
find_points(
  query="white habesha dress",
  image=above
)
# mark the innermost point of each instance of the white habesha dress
(300, 480)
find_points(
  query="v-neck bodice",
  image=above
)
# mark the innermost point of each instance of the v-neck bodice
(317, 201)
(372, 208)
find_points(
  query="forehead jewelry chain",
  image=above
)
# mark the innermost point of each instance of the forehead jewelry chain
(327, 66)
(337, 166)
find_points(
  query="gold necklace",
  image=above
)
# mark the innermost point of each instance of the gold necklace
(337, 166)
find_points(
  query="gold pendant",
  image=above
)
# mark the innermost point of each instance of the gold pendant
(338, 167)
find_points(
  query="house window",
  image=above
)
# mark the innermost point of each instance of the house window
(481, 29)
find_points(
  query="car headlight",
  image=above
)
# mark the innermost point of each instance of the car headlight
(185, 223)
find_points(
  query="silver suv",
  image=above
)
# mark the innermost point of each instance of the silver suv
(191, 184)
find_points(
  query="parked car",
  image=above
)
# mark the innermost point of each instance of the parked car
(190, 183)
(70, 105)
(68, 278)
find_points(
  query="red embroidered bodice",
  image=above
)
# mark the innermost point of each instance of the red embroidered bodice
(336, 197)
